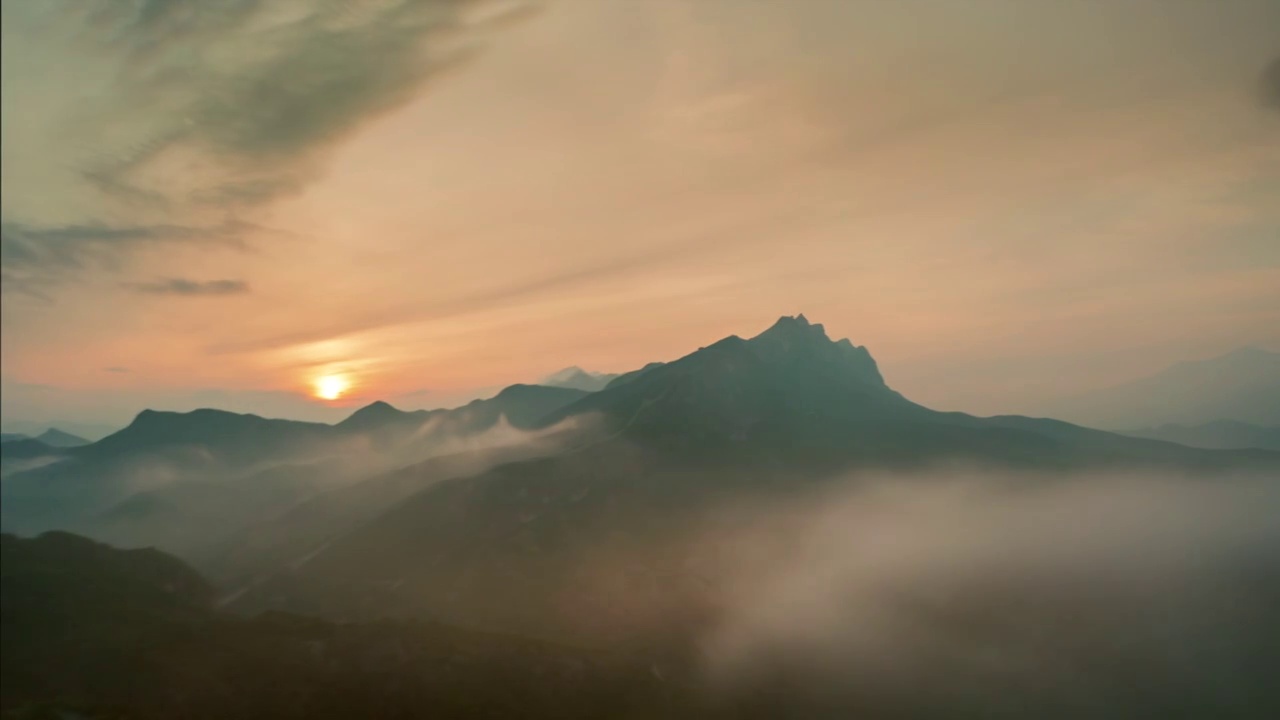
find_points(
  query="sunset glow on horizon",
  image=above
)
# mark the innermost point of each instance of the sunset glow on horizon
(910, 174)
(331, 387)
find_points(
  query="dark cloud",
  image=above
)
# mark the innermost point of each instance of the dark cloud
(215, 109)
(34, 257)
(191, 288)
(1270, 85)
(120, 370)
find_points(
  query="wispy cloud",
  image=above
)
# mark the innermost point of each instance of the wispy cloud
(183, 287)
(35, 257)
(117, 370)
(181, 114)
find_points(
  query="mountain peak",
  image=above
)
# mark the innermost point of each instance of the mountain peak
(377, 414)
(791, 338)
(578, 379)
(54, 437)
(794, 328)
(377, 406)
(794, 321)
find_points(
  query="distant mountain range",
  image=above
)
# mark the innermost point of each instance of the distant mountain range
(1241, 386)
(53, 437)
(87, 431)
(21, 452)
(172, 474)
(1219, 435)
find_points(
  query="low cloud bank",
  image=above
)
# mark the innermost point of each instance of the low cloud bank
(1003, 597)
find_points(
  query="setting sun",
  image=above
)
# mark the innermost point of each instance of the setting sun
(331, 387)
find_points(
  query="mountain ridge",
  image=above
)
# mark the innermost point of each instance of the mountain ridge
(785, 410)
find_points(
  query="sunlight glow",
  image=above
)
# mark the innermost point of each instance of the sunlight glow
(331, 387)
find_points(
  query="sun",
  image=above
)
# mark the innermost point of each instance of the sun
(331, 387)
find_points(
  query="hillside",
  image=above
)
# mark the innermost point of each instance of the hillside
(94, 632)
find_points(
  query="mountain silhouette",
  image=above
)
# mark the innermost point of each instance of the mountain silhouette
(1217, 435)
(181, 465)
(774, 413)
(552, 513)
(54, 437)
(24, 453)
(25, 448)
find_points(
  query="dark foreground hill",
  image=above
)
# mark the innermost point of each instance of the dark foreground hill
(94, 632)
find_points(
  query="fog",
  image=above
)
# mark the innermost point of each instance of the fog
(964, 595)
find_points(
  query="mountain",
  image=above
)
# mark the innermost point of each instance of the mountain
(54, 437)
(188, 481)
(90, 631)
(25, 448)
(578, 379)
(9, 437)
(1219, 435)
(1243, 386)
(25, 453)
(611, 531)
(568, 533)
(87, 431)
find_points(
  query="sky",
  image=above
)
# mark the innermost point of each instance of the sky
(1006, 201)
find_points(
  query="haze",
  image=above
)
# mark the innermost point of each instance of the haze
(1007, 201)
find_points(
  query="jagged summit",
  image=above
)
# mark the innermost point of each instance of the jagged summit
(789, 376)
(795, 339)
(794, 328)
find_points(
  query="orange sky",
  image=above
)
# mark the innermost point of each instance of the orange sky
(1005, 201)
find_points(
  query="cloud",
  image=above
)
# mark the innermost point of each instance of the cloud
(955, 596)
(116, 369)
(191, 288)
(180, 115)
(1270, 85)
(33, 257)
